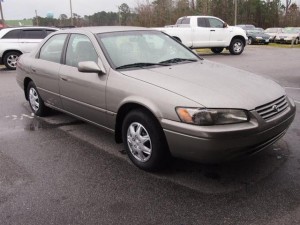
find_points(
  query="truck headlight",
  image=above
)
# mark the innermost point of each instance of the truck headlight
(207, 117)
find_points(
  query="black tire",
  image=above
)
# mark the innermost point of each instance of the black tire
(250, 40)
(296, 41)
(266, 43)
(10, 59)
(217, 50)
(36, 103)
(154, 139)
(236, 46)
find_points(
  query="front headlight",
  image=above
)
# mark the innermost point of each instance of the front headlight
(206, 117)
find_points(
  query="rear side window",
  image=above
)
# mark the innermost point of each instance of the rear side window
(49, 32)
(202, 22)
(13, 34)
(33, 34)
(183, 21)
(52, 49)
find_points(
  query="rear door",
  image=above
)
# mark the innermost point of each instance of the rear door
(45, 69)
(201, 33)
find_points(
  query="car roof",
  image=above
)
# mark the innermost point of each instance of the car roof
(29, 27)
(104, 29)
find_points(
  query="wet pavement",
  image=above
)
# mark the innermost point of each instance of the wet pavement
(59, 170)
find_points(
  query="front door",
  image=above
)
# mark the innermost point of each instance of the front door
(82, 94)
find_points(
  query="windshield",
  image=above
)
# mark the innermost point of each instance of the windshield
(289, 30)
(271, 30)
(130, 49)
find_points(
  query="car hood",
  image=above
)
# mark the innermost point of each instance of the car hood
(211, 84)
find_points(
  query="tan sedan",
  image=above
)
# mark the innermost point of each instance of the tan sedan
(154, 94)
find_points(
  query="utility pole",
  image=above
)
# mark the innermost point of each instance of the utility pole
(1, 12)
(36, 17)
(235, 12)
(71, 12)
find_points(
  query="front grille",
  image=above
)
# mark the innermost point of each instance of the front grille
(273, 108)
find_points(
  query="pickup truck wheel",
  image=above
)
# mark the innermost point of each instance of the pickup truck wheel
(217, 50)
(250, 40)
(236, 46)
(36, 103)
(144, 140)
(10, 60)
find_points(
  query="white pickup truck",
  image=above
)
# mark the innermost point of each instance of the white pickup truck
(207, 32)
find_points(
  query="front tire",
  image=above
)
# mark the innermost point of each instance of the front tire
(250, 40)
(217, 50)
(236, 46)
(10, 60)
(144, 141)
(36, 103)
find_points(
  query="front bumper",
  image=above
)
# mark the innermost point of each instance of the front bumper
(212, 144)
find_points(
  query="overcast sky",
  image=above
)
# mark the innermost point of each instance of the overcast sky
(20, 9)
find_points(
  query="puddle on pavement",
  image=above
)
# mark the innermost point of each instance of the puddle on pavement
(36, 124)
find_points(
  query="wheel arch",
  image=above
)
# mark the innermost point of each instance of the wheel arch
(10, 50)
(124, 110)
(239, 37)
(26, 82)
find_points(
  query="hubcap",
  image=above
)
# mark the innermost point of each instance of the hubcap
(237, 47)
(139, 142)
(12, 60)
(34, 99)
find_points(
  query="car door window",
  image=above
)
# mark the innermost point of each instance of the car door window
(52, 49)
(13, 34)
(33, 34)
(202, 22)
(80, 49)
(215, 23)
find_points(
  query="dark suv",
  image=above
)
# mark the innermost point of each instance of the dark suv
(16, 41)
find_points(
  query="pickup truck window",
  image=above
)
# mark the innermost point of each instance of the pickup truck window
(202, 22)
(183, 21)
(215, 23)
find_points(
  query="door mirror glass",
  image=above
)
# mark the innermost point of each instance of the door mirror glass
(89, 67)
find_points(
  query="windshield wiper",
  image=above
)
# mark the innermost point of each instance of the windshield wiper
(177, 60)
(141, 64)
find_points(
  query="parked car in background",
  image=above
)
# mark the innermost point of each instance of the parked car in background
(19, 40)
(246, 26)
(273, 32)
(156, 95)
(288, 35)
(207, 32)
(257, 35)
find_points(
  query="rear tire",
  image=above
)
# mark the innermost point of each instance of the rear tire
(236, 46)
(10, 60)
(144, 141)
(217, 50)
(36, 103)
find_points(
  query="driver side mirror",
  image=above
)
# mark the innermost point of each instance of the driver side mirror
(225, 25)
(90, 67)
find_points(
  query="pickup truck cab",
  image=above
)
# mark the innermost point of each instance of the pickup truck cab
(207, 32)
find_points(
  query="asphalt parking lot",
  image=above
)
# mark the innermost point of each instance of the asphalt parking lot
(58, 170)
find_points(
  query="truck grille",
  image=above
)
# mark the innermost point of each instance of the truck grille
(273, 108)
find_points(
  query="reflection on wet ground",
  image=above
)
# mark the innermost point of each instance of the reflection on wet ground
(38, 124)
